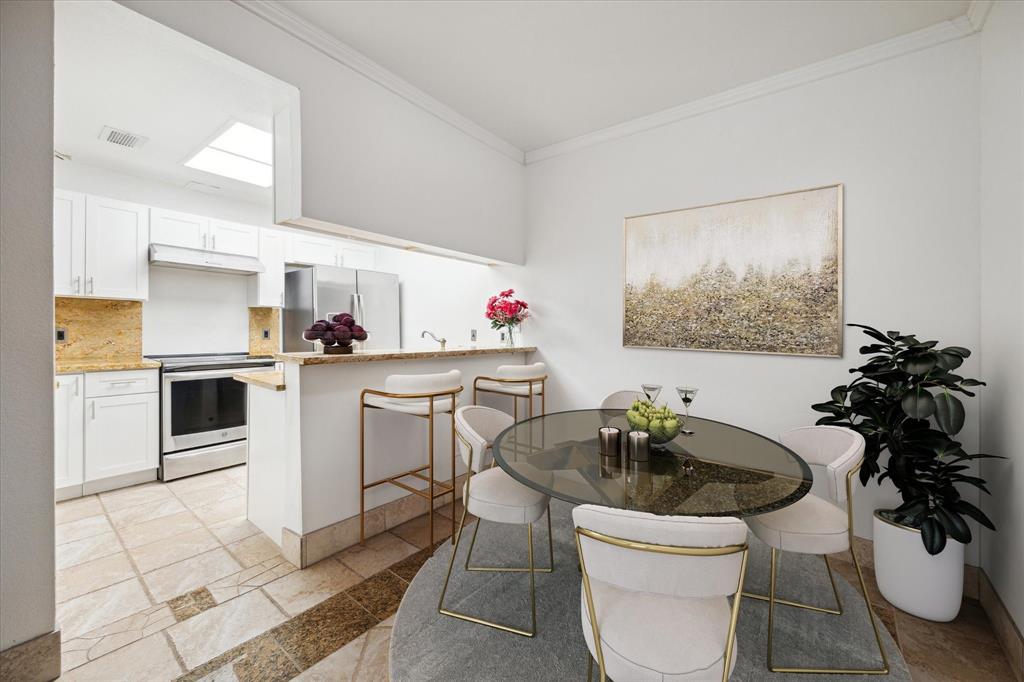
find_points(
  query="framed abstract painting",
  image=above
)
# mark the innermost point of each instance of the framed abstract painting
(761, 275)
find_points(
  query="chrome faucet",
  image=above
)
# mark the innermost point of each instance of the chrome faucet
(441, 341)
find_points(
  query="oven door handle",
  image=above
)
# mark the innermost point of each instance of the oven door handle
(201, 374)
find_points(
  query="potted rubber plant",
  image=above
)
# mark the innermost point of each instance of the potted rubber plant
(904, 401)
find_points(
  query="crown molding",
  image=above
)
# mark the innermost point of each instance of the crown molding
(977, 13)
(894, 47)
(278, 15)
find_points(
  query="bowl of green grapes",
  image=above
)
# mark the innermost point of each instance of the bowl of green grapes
(660, 422)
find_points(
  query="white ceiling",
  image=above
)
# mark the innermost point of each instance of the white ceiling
(537, 73)
(115, 67)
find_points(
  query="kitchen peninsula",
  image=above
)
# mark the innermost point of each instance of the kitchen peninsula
(304, 443)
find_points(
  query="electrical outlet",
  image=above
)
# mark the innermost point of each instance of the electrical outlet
(61, 335)
(472, 335)
(266, 333)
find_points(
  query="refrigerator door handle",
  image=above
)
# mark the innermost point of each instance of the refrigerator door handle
(357, 308)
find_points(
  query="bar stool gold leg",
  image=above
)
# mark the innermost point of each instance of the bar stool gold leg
(362, 471)
(454, 496)
(430, 483)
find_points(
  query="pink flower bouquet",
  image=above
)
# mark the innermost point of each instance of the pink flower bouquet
(506, 312)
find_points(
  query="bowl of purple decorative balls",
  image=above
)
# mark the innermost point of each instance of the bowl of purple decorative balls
(336, 334)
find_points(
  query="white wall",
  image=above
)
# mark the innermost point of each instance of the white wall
(191, 311)
(901, 135)
(370, 159)
(1002, 297)
(26, 341)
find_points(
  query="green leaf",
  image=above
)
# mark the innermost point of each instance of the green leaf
(954, 524)
(949, 413)
(957, 350)
(873, 333)
(948, 360)
(839, 394)
(919, 363)
(965, 507)
(972, 382)
(918, 403)
(933, 536)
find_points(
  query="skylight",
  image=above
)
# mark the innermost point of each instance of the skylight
(241, 152)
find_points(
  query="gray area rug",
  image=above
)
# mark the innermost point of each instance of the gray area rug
(428, 646)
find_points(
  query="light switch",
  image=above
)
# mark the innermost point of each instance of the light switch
(266, 333)
(61, 335)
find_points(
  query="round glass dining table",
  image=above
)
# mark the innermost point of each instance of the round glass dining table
(709, 469)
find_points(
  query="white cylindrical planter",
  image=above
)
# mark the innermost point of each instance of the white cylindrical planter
(911, 579)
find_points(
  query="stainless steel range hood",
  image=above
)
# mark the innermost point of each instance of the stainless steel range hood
(169, 256)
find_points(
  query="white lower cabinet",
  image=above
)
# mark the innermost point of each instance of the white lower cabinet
(68, 440)
(106, 431)
(122, 434)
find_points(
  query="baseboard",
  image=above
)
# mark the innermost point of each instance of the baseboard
(305, 550)
(37, 660)
(1006, 630)
(102, 485)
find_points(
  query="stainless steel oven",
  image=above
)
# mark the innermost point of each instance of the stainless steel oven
(203, 412)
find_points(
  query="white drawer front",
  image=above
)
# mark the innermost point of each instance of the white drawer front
(99, 384)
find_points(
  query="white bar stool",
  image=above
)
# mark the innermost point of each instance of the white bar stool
(421, 395)
(518, 381)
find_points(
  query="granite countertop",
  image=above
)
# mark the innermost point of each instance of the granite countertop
(270, 380)
(396, 354)
(79, 365)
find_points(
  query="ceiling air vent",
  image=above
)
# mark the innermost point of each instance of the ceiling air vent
(122, 138)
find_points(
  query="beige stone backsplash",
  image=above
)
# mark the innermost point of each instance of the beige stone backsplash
(260, 319)
(98, 329)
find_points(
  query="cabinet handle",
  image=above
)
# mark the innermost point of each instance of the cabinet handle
(92, 410)
(78, 284)
(89, 287)
(213, 242)
(204, 241)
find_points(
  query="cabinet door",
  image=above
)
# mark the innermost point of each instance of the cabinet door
(309, 250)
(116, 249)
(121, 435)
(68, 243)
(68, 414)
(266, 289)
(358, 257)
(225, 237)
(178, 229)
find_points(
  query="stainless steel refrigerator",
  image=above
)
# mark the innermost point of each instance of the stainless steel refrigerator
(321, 291)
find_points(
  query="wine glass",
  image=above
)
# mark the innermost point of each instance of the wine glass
(686, 394)
(652, 391)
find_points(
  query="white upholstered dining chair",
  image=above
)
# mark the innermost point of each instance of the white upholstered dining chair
(620, 400)
(654, 600)
(815, 525)
(492, 495)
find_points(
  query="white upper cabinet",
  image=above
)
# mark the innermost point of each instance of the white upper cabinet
(116, 249)
(305, 249)
(359, 257)
(68, 442)
(68, 243)
(178, 229)
(227, 237)
(266, 289)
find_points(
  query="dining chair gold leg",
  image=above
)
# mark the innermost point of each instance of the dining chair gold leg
(481, 621)
(884, 670)
(837, 611)
(590, 666)
(513, 569)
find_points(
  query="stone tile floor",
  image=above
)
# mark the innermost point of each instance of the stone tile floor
(169, 581)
